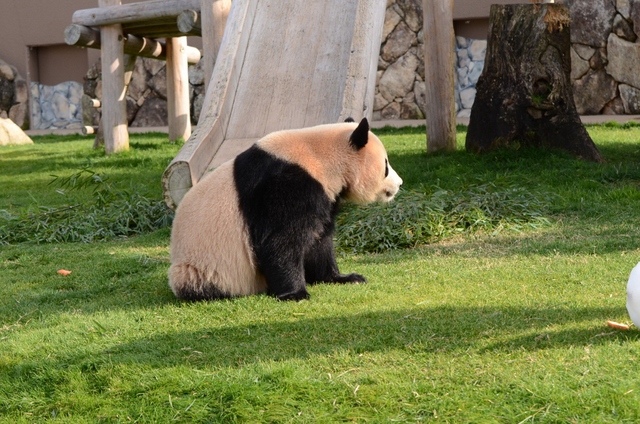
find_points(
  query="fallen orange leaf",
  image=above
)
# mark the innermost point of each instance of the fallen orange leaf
(617, 325)
(64, 272)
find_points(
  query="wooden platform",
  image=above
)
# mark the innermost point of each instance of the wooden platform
(282, 64)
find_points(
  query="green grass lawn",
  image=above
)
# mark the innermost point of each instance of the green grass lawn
(493, 319)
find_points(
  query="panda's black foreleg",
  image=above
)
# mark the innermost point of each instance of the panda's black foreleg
(281, 262)
(285, 280)
(320, 265)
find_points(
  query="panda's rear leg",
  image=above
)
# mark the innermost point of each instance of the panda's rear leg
(188, 283)
(320, 265)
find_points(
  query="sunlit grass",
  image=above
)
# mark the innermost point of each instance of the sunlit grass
(482, 326)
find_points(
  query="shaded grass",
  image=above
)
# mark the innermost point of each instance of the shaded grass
(478, 327)
(417, 218)
(26, 171)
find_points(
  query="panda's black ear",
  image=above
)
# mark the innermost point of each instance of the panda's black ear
(349, 119)
(360, 135)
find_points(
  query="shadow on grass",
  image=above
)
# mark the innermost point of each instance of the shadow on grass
(429, 330)
(54, 162)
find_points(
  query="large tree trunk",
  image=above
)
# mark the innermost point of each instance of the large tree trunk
(524, 95)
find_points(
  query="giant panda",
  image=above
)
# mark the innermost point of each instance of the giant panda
(264, 221)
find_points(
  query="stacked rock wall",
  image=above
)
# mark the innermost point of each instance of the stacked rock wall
(146, 94)
(400, 79)
(56, 106)
(605, 60)
(605, 56)
(470, 55)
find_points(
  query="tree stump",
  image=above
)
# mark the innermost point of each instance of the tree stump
(524, 95)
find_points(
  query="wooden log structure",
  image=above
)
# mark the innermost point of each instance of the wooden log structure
(126, 14)
(524, 95)
(213, 14)
(114, 113)
(189, 21)
(439, 57)
(82, 36)
(122, 32)
(159, 31)
(178, 84)
(89, 129)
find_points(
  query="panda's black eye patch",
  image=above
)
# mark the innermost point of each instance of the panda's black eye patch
(386, 168)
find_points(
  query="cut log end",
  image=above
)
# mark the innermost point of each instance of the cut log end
(189, 21)
(176, 182)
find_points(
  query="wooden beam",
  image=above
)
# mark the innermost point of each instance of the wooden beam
(134, 12)
(145, 47)
(214, 15)
(159, 31)
(178, 104)
(189, 21)
(89, 129)
(439, 58)
(114, 105)
(168, 21)
(79, 35)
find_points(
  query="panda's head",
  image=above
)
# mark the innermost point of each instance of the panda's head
(370, 177)
(347, 159)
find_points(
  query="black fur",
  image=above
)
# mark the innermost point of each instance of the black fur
(210, 292)
(290, 221)
(360, 136)
(349, 119)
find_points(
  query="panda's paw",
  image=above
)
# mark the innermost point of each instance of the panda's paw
(297, 295)
(350, 278)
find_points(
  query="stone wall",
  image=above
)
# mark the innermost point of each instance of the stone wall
(400, 78)
(605, 56)
(56, 107)
(146, 94)
(470, 55)
(14, 96)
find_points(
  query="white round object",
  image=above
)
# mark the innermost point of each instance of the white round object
(633, 295)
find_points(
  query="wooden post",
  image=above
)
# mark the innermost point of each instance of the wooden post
(114, 105)
(439, 60)
(214, 18)
(129, 65)
(178, 89)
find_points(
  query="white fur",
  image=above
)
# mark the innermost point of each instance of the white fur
(209, 240)
(210, 244)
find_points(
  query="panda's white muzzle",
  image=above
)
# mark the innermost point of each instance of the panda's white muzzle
(390, 186)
